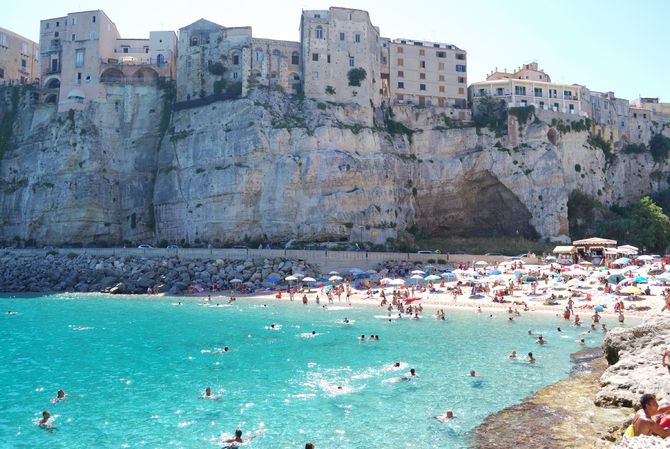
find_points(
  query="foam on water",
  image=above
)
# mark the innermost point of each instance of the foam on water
(134, 378)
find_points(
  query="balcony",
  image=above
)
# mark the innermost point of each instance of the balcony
(53, 70)
(53, 47)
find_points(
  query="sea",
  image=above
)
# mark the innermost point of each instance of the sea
(135, 368)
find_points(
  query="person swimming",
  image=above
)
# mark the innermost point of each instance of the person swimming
(540, 340)
(208, 395)
(60, 396)
(512, 355)
(237, 440)
(410, 375)
(45, 421)
(531, 359)
(445, 416)
(473, 373)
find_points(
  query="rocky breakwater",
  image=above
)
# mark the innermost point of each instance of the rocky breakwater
(129, 274)
(634, 356)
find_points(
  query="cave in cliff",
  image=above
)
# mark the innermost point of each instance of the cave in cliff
(477, 206)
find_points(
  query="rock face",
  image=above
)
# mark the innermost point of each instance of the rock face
(635, 368)
(270, 167)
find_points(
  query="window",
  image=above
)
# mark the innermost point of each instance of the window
(259, 55)
(74, 37)
(552, 93)
(422, 76)
(441, 54)
(538, 92)
(401, 61)
(571, 108)
(357, 38)
(56, 34)
(384, 60)
(349, 16)
(315, 56)
(401, 74)
(422, 64)
(440, 78)
(422, 52)
(556, 107)
(125, 49)
(519, 90)
(460, 68)
(441, 89)
(524, 103)
(351, 61)
(461, 79)
(500, 91)
(567, 95)
(295, 58)
(79, 58)
(319, 32)
(328, 59)
(400, 49)
(342, 36)
(236, 59)
(235, 75)
(46, 25)
(93, 19)
(461, 90)
(74, 21)
(401, 85)
(422, 87)
(460, 56)
(57, 24)
(78, 77)
(92, 35)
(440, 65)
(276, 52)
(317, 16)
(24, 64)
(2, 73)
(541, 104)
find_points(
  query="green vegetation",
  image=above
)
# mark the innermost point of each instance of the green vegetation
(219, 86)
(217, 69)
(522, 113)
(578, 168)
(349, 225)
(71, 256)
(597, 141)
(659, 145)
(635, 148)
(169, 91)
(330, 90)
(322, 106)
(52, 252)
(356, 76)
(7, 122)
(492, 114)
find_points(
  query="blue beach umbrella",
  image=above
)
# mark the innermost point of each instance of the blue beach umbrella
(273, 280)
(495, 272)
(640, 279)
(621, 261)
(599, 309)
(449, 275)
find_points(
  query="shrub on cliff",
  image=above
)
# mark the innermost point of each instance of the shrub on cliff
(356, 76)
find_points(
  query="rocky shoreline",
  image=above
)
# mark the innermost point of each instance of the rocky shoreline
(593, 407)
(131, 274)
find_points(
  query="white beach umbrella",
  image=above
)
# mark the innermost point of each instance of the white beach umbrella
(385, 281)
(333, 272)
(335, 278)
(481, 263)
(397, 282)
(417, 277)
(299, 275)
(308, 279)
(418, 272)
(235, 281)
(291, 278)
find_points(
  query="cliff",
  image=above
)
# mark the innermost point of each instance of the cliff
(270, 168)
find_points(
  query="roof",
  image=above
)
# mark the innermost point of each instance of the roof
(594, 241)
(203, 24)
(564, 250)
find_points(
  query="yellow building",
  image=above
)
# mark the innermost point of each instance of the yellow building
(18, 58)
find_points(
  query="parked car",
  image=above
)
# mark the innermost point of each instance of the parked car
(424, 251)
(145, 246)
(172, 247)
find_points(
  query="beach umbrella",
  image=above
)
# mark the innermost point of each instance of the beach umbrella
(418, 272)
(356, 270)
(549, 258)
(449, 275)
(235, 281)
(432, 277)
(645, 257)
(585, 263)
(335, 278)
(631, 290)
(417, 277)
(333, 272)
(273, 280)
(308, 279)
(599, 308)
(621, 261)
(481, 263)
(639, 279)
(299, 275)
(291, 278)
(385, 281)
(663, 279)
(495, 272)
(412, 299)
(397, 282)
(530, 278)
(371, 272)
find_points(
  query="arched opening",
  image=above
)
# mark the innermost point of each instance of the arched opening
(53, 83)
(235, 57)
(276, 52)
(112, 76)
(318, 32)
(51, 98)
(259, 55)
(295, 58)
(145, 75)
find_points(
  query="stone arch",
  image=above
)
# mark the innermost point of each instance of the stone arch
(112, 75)
(52, 83)
(51, 98)
(145, 75)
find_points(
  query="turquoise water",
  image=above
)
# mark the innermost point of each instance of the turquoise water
(134, 369)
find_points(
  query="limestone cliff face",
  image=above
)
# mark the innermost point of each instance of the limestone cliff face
(270, 168)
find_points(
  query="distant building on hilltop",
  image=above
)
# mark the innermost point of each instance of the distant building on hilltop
(18, 58)
(82, 53)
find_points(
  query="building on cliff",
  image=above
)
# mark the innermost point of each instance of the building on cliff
(18, 58)
(83, 52)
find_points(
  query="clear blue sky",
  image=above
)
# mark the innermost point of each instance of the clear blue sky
(616, 45)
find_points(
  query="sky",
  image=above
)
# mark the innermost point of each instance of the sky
(608, 45)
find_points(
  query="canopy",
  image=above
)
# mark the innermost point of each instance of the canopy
(564, 250)
(627, 249)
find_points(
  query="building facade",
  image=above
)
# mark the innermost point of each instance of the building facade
(83, 52)
(427, 74)
(526, 87)
(19, 58)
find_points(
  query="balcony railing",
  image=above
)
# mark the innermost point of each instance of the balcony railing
(53, 70)
(111, 62)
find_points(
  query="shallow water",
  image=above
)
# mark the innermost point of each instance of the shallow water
(134, 369)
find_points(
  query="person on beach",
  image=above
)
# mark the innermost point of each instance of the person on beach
(666, 359)
(60, 396)
(643, 422)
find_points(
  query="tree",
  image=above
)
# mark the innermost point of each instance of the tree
(653, 226)
(491, 113)
(356, 76)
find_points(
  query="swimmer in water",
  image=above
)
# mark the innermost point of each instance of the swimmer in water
(530, 331)
(603, 327)
(345, 320)
(512, 355)
(473, 373)
(410, 375)
(60, 396)
(558, 329)
(540, 340)
(309, 446)
(238, 438)
(445, 416)
(44, 421)
(208, 395)
(581, 341)
(531, 359)
(361, 338)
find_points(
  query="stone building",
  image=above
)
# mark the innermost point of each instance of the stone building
(18, 58)
(529, 86)
(83, 52)
(427, 74)
(333, 42)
